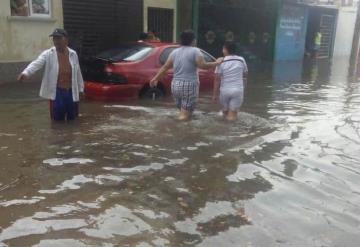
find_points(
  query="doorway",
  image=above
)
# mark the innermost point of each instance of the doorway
(321, 20)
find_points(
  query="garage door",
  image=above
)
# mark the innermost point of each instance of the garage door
(96, 25)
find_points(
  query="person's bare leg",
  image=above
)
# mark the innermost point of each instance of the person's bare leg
(231, 116)
(184, 115)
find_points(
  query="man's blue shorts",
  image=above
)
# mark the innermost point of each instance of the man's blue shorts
(63, 107)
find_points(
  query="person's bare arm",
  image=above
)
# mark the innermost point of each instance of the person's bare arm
(168, 65)
(216, 89)
(202, 64)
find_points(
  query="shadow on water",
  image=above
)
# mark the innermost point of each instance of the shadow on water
(285, 174)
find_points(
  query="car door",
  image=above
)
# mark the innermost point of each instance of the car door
(164, 55)
(206, 76)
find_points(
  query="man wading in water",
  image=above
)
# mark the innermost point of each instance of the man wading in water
(185, 85)
(62, 80)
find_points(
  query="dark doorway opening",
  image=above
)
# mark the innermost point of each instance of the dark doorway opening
(322, 20)
(251, 24)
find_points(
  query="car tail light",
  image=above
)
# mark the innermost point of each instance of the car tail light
(108, 70)
(115, 78)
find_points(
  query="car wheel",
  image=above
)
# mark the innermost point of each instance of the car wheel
(154, 93)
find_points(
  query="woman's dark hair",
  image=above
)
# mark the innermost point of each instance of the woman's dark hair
(187, 37)
(230, 47)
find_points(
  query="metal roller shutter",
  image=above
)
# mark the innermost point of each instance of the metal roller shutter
(96, 25)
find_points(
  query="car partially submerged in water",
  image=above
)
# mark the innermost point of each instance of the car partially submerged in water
(124, 73)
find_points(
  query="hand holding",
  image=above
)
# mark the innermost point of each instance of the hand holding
(154, 82)
(219, 60)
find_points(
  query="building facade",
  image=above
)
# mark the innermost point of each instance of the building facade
(161, 16)
(93, 26)
(297, 26)
(25, 26)
(277, 30)
(96, 25)
(251, 24)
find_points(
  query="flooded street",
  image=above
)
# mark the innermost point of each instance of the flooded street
(286, 174)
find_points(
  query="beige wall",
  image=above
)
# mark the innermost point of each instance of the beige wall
(169, 4)
(23, 38)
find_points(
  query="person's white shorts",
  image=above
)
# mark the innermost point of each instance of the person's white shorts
(231, 100)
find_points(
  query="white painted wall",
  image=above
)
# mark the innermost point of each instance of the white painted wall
(344, 32)
(23, 38)
(168, 4)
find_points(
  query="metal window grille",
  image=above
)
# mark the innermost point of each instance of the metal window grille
(161, 20)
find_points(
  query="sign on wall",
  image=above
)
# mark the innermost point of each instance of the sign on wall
(291, 33)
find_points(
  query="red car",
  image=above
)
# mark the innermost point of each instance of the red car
(124, 73)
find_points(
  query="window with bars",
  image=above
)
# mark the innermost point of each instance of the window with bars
(161, 21)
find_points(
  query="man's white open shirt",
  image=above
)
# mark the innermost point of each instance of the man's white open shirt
(49, 58)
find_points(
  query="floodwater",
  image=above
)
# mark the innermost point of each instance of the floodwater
(286, 174)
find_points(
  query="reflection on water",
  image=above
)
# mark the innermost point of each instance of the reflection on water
(286, 174)
(288, 71)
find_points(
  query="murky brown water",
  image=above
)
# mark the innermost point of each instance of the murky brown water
(286, 174)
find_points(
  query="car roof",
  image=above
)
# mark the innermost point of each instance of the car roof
(164, 44)
(159, 44)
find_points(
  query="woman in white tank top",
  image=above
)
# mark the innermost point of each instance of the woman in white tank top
(229, 80)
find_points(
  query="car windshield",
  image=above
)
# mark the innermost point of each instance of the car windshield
(129, 53)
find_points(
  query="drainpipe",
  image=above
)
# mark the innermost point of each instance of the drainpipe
(195, 16)
(355, 45)
(177, 20)
(279, 4)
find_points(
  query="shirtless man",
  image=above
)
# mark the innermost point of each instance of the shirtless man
(62, 80)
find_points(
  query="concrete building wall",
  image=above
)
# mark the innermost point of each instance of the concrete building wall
(345, 32)
(24, 37)
(168, 4)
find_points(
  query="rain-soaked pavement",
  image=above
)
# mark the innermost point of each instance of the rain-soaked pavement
(286, 174)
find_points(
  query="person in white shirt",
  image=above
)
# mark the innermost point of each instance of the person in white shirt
(62, 80)
(229, 82)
